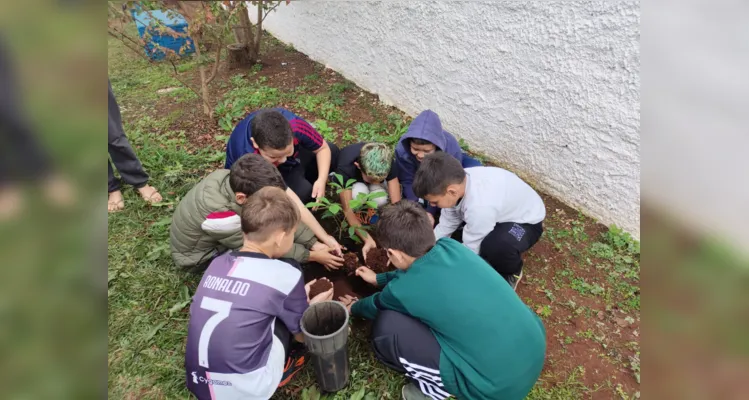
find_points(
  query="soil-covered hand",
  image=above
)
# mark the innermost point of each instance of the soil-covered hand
(320, 297)
(348, 301)
(367, 275)
(327, 258)
(333, 244)
(369, 243)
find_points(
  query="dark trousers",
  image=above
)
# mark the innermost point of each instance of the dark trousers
(408, 346)
(303, 175)
(502, 248)
(21, 156)
(121, 153)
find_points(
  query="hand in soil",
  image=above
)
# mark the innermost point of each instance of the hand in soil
(327, 258)
(348, 301)
(333, 244)
(350, 262)
(367, 275)
(369, 244)
(319, 290)
(378, 260)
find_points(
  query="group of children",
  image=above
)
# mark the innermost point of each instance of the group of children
(447, 317)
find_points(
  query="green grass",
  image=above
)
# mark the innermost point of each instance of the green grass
(148, 296)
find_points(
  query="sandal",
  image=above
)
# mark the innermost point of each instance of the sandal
(116, 204)
(150, 194)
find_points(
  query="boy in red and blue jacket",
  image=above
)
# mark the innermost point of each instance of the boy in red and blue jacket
(290, 143)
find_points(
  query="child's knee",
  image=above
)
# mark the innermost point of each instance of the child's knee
(359, 187)
(381, 201)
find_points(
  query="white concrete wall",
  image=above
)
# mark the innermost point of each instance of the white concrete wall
(550, 90)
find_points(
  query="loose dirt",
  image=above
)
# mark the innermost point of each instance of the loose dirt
(377, 260)
(320, 286)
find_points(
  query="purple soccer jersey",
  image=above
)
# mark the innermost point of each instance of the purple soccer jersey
(231, 351)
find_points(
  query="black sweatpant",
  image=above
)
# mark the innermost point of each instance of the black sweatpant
(408, 346)
(303, 175)
(502, 248)
(121, 153)
(22, 158)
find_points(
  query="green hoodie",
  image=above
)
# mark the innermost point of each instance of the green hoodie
(493, 345)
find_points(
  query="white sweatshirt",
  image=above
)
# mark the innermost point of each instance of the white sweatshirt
(493, 195)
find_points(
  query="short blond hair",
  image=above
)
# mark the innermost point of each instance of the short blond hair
(267, 211)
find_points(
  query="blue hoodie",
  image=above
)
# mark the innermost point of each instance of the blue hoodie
(426, 126)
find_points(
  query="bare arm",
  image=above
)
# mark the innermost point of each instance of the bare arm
(307, 217)
(394, 190)
(323, 156)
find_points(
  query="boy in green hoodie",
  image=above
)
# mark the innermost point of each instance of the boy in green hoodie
(445, 318)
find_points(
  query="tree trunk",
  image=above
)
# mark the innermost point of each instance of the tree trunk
(239, 56)
(203, 83)
(259, 33)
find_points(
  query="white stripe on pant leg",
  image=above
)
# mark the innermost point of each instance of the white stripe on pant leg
(417, 366)
(432, 391)
(424, 377)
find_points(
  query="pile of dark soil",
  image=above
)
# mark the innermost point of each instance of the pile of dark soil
(320, 286)
(377, 260)
(350, 262)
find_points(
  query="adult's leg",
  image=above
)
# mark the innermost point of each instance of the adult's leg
(407, 345)
(294, 178)
(120, 151)
(469, 162)
(113, 183)
(503, 246)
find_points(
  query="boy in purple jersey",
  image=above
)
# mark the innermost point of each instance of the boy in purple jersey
(247, 307)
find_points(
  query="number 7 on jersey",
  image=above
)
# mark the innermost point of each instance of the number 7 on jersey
(222, 309)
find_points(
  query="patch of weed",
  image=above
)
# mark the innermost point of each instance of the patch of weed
(326, 131)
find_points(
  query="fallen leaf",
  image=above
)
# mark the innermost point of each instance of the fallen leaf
(600, 315)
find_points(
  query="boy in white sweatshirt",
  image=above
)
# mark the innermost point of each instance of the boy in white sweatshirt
(502, 214)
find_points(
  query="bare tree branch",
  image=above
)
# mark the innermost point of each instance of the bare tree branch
(268, 12)
(214, 72)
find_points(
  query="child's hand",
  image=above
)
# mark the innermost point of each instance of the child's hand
(324, 296)
(326, 258)
(348, 301)
(367, 274)
(369, 243)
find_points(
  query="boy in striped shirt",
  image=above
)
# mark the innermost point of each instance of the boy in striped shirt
(290, 143)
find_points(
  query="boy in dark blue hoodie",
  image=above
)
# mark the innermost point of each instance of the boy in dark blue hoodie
(425, 136)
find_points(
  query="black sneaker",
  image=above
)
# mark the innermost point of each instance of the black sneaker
(513, 280)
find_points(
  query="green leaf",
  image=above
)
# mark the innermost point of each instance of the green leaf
(335, 208)
(351, 231)
(324, 200)
(372, 204)
(377, 195)
(339, 178)
(335, 185)
(153, 331)
(359, 394)
(313, 204)
(354, 204)
(326, 214)
(350, 182)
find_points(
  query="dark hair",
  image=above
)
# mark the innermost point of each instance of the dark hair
(267, 211)
(404, 226)
(418, 141)
(436, 172)
(251, 173)
(270, 129)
